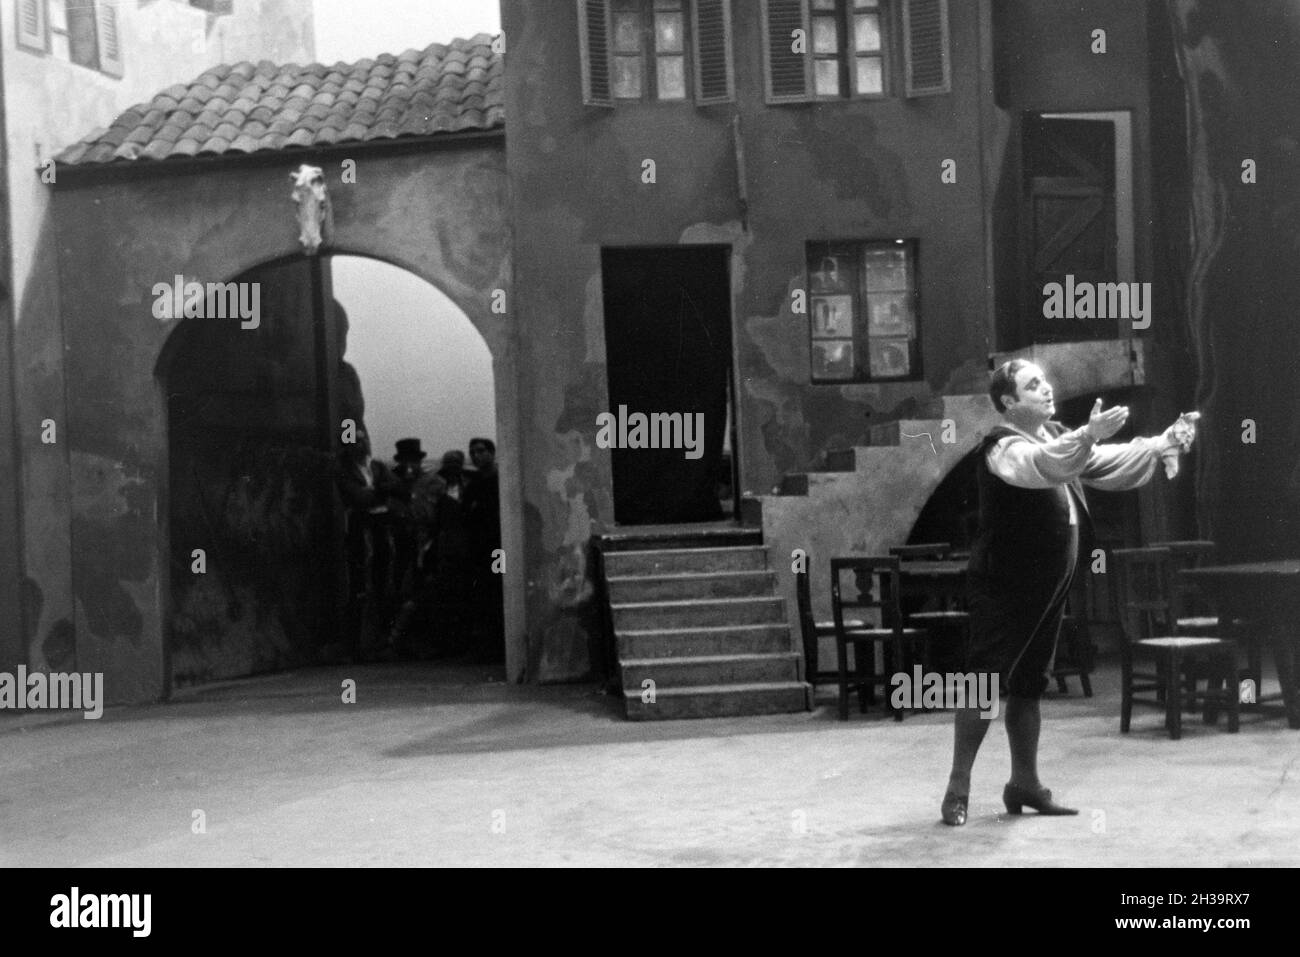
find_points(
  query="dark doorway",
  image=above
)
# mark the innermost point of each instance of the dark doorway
(1068, 217)
(668, 348)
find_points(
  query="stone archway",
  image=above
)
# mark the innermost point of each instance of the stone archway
(439, 213)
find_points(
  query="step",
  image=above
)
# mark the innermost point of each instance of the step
(635, 538)
(692, 642)
(698, 613)
(645, 588)
(720, 701)
(676, 561)
(712, 670)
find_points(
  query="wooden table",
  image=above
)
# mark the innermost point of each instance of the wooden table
(1268, 592)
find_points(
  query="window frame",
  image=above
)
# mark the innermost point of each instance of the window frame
(847, 54)
(860, 336)
(597, 67)
(648, 53)
(30, 42)
(897, 58)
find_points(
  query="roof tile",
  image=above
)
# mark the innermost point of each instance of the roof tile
(246, 107)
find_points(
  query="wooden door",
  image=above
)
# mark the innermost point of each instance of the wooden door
(1068, 220)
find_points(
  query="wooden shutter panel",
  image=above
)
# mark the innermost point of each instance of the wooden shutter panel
(31, 25)
(925, 40)
(110, 44)
(594, 40)
(788, 73)
(83, 47)
(714, 72)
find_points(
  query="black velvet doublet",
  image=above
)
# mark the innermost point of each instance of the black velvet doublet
(1022, 564)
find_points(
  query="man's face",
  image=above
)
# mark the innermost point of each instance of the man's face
(482, 456)
(1034, 397)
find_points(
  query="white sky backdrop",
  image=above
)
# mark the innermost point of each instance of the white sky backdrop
(425, 371)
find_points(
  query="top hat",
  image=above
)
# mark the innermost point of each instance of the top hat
(409, 449)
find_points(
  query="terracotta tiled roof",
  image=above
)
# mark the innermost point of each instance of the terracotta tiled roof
(246, 108)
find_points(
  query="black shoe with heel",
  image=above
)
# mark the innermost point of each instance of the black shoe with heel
(1017, 798)
(954, 809)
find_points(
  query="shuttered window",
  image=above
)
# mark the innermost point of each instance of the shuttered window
(594, 40)
(714, 72)
(786, 44)
(832, 49)
(31, 26)
(656, 49)
(925, 38)
(106, 34)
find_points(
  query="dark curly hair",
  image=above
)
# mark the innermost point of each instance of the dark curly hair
(1003, 382)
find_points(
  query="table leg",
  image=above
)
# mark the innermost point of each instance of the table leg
(1284, 655)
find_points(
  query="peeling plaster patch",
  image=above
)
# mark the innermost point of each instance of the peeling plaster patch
(593, 320)
(570, 585)
(577, 528)
(114, 529)
(779, 337)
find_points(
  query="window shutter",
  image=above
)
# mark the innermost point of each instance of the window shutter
(82, 27)
(31, 25)
(788, 73)
(714, 74)
(110, 46)
(594, 41)
(925, 39)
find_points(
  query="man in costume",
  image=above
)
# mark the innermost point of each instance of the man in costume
(1031, 473)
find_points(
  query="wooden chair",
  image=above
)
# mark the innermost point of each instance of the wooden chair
(1202, 620)
(1079, 652)
(1148, 614)
(946, 620)
(877, 586)
(812, 631)
(929, 551)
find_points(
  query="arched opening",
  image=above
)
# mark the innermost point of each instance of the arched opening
(265, 408)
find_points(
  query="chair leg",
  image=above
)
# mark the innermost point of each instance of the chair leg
(1215, 689)
(1087, 684)
(1174, 701)
(898, 666)
(842, 659)
(865, 672)
(1233, 700)
(1126, 693)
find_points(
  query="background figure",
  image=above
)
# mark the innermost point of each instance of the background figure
(453, 473)
(365, 486)
(482, 504)
(415, 511)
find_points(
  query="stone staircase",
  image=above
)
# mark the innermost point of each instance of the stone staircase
(700, 631)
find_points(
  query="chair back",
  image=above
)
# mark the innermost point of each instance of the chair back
(807, 621)
(865, 583)
(1146, 602)
(1184, 555)
(930, 551)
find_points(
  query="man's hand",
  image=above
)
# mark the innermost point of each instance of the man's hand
(1102, 425)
